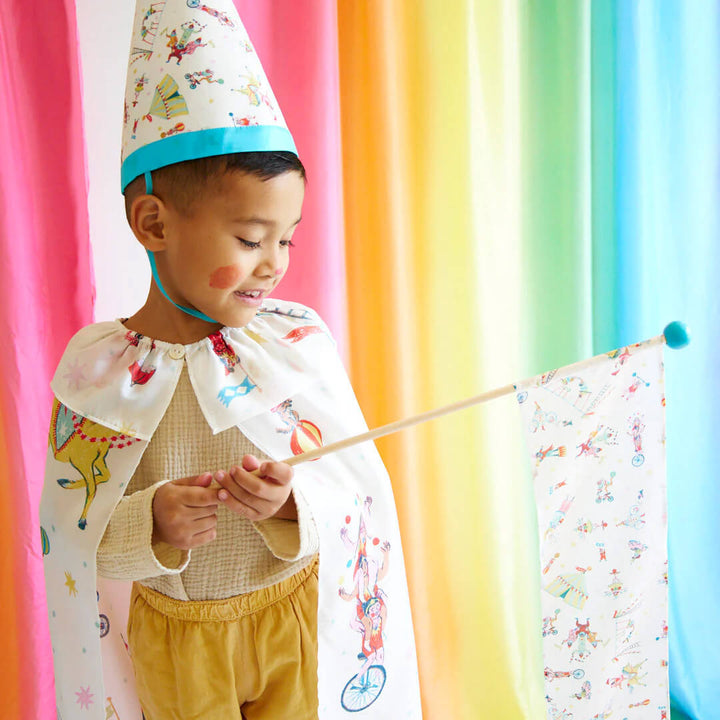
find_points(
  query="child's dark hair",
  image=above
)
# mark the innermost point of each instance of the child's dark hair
(183, 183)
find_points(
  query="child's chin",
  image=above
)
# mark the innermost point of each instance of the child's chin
(238, 318)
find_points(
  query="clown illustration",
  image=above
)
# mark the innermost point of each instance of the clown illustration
(636, 427)
(150, 23)
(140, 84)
(370, 617)
(559, 517)
(226, 354)
(254, 93)
(637, 383)
(304, 435)
(616, 587)
(621, 357)
(583, 638)
(140, 373)
(549, 624)
(195, 78)
(637, 548)
(585, 527)
(220, 16)
(541, 418)
(585, 691)
(601, 435)
(604, 493)
(183, 45)
(230, 361)
(574, 384)
(550, 451)
(632, 675)
(635, 519)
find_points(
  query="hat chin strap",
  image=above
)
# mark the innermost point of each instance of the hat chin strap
(156, 277)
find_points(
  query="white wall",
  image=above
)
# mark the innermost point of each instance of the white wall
(121, 268)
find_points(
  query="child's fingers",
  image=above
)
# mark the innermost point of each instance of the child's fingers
(199, 497)
(250, 463)
(266, 488)
(198, 513)
(250, 496)
(243, 480)
(202, 480)
(279, 472)
(200, 525)
(249, 506)
(202, 538)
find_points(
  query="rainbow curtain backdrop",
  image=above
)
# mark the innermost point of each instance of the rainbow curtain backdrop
(496, 189)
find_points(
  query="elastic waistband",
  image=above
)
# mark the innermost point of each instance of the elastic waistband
(227, 609)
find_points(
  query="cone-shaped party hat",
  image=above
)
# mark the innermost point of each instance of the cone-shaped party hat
(195, 88)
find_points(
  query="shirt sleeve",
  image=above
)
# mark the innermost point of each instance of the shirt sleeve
(291, 540)
(126, 551)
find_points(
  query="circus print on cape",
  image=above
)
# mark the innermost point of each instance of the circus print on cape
(595, 436)
(84, 445)
(300, 333)
(140, 373)
(304, 434)
(369, 564)
(230, 360)
(222, 349)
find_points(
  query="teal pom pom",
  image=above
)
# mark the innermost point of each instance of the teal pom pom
(676, 335)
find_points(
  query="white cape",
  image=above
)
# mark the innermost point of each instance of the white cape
(281, 382)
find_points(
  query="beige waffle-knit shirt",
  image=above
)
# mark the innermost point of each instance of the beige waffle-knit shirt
(244, 556)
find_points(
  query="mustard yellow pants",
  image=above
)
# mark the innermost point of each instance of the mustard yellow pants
(248, 657)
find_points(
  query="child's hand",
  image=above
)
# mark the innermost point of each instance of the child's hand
(258, 498)
(185, 512)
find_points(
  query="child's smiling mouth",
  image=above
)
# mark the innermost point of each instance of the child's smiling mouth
(251, 297)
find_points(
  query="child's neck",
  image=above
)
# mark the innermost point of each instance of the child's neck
(160, 320)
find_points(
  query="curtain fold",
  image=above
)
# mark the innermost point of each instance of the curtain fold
(45, 294)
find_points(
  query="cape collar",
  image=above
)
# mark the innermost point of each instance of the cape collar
(125, 380)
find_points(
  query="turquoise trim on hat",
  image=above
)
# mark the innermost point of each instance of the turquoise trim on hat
(205, 143)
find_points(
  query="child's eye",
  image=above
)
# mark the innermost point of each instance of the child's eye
(249, 244)
(287, 243)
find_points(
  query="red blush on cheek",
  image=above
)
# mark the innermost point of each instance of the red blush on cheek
(225, 277)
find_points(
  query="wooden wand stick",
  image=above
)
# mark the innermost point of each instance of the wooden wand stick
(676, 335)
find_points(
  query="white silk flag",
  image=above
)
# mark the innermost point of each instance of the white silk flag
(596, 435)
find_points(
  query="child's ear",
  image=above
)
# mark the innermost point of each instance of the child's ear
(147, 214)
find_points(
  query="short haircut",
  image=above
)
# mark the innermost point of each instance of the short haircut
(183, 183)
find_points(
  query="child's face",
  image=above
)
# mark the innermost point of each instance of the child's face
(234, 247)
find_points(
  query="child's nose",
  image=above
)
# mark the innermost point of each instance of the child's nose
(272, 264)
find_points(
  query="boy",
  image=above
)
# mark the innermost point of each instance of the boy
(228, 616)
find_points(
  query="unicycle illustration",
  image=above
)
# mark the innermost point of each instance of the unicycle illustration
(369, 562)
(635, 432)
(363, 689)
